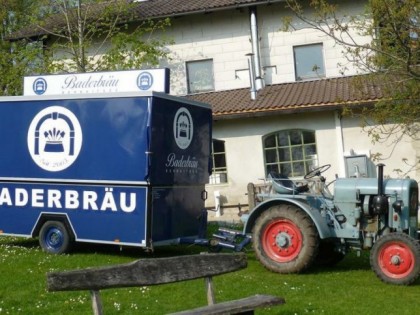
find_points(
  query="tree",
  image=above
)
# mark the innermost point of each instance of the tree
(390, 56)
(64, 36)
(17, 58)
(97, 35)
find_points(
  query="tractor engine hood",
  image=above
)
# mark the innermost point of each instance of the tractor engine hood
(347, 189)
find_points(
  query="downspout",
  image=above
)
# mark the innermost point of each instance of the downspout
(259, 81)
(252, 81)
(340, 144)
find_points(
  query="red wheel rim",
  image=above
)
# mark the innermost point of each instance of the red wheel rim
(282, 240)
(396, 260)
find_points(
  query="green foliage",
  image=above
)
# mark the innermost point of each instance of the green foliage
(17, 58)
(391, 55)
(77, 36)
(137, 48)
(383, 42)
(102, 35)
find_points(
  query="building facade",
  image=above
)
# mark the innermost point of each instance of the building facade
(277, 95)
(291, 124)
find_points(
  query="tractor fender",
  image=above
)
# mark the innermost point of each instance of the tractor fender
(320, 223)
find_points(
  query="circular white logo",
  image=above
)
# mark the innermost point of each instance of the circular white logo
(54, 138)
(144, 81)
(39, 86)
(183, 128)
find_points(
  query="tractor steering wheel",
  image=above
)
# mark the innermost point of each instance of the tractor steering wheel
(317, 171)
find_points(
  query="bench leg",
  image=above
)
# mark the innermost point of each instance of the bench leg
(211, 300)
(96, 302)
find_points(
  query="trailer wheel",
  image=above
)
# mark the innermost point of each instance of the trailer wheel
(395, 258)
(54, 237)
(285, 239)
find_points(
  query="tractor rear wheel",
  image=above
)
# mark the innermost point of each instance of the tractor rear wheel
(285, 239)
(395, 258)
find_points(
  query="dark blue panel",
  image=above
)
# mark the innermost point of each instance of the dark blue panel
(181, 140)
(113, 133)
(176, 212)
(96, 213)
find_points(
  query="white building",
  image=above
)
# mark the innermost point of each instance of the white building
(293, 122)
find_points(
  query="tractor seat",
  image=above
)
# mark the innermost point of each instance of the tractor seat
(283, 185)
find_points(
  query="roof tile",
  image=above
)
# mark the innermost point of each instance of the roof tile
(151, 9)
(291, 97)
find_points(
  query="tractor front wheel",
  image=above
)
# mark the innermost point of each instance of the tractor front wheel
(395, 258)
(285, 239)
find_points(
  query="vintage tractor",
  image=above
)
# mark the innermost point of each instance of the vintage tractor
(296, 225)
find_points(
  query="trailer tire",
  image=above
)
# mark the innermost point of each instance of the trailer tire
(395, 259)
(54, 238)
(285, 239)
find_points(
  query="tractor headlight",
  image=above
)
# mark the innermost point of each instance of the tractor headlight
(398, 205)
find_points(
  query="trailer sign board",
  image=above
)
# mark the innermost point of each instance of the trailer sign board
(156, 80)
(125, 169)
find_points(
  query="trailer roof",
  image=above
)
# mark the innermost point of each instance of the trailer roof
(108, 95)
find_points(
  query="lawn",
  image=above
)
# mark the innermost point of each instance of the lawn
(349, 288)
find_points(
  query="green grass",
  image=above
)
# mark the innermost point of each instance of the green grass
(349, 288)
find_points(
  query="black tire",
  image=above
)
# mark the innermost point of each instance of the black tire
(54, 238)
(285, 239)
(395, 258)
(327, 255)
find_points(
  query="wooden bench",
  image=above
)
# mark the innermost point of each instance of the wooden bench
(148, 272)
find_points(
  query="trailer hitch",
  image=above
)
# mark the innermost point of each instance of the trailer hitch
(223, 239)
(230, 239)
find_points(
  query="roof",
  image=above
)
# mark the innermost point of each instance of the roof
(165, 8)
(285, 98)
(143, 10)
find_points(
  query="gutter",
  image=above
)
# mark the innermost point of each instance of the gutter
(288, 111)
(222, 8)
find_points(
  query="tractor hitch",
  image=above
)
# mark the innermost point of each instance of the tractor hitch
(230, 239)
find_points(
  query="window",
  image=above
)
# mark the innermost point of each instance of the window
(219, 170)
(290, 152)
(200, 76)
(414, 27)
(309, 62)
(36, 61)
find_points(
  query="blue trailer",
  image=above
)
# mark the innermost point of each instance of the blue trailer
(125, 169)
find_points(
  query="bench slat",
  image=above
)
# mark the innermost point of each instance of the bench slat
(236, 306)
(146, 272)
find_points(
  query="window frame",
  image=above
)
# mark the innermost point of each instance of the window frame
(309, 160)
(190, 90)
(315, 74)
(219, 174)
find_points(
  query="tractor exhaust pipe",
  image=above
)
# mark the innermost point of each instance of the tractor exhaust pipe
(380, 202)
(381, 179)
